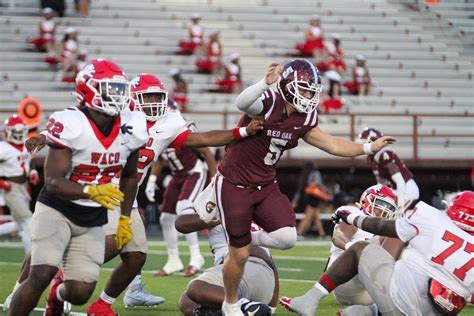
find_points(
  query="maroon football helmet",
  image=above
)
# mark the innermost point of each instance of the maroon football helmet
(369, 135)
(300, 85)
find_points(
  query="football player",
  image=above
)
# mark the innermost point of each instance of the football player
(377, 200)
(89, 146)
(258, 291)
(389, 169)
(433, 277)
(167, 129)
(189, 176)
(246, 188)
(14, 176)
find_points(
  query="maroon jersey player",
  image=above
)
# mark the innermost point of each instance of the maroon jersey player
(389, 169)
(246, 188)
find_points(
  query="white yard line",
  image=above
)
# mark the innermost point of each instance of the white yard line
(39, 309)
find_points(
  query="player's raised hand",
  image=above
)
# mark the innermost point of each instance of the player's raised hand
(255, 125)
(347, 214)
(107, 195)
(35, 143)
(382, 142)
(273, 72)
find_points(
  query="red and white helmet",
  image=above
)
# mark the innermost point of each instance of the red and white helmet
(148, 85)
(103, 87)
(300, 85)
(16, 130)
(381, 197)
(369, 135)
(461, 211)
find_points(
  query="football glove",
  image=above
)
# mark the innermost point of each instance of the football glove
(34, 177)
(124, 232)
(150, 189)
(347, 214)
(108, 195)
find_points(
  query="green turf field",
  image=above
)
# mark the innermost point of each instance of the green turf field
(299, 267)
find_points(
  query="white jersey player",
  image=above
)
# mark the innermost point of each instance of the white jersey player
(258, 289)
(166, 129)
(377, 200)
(14, 175)
(434, 276)
(89, 146)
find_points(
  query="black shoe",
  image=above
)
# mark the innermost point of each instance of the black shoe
(252, 308)
(204, 311)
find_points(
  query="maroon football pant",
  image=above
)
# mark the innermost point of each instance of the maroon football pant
(238, 206)
(182, 188)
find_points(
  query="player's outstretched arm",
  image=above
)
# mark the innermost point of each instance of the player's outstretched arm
(56, 167)
(224, 137)
(344, 148)
(371, 224)
(189, 223)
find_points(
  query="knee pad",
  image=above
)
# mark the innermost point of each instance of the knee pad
(284, 238)
(184, 207)
(167, 219)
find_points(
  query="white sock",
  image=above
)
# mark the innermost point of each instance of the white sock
(170, 234)
(193, 242)
(8, 228)
(108, 299)
(58, 293)
(137, 280)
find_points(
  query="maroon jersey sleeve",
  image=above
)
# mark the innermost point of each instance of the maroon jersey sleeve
(384, 157)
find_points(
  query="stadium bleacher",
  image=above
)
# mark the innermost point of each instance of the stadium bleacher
(416, 68)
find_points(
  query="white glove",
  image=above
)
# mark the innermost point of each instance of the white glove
(150, 189)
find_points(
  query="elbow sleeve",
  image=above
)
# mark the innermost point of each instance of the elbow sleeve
(248, 101)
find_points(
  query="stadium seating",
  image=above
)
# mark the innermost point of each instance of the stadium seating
(416, 68)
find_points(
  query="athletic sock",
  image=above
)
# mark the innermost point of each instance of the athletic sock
(106, 298)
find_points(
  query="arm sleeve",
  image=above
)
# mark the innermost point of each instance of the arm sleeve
(400, 182)
(248, 101)
(179, 141)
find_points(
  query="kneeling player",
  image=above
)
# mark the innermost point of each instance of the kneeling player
(377, 200)
(205, 294)
(433, 277)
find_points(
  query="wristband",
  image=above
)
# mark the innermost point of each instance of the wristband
(240, 133)
(348, 244)
(124, 216)
(359, 220)
(368, 149)
(152, 178)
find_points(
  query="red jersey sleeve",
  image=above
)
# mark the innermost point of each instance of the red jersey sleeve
(179, 141)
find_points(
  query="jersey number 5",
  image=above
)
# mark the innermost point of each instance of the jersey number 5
(458, 243)
(275, 151)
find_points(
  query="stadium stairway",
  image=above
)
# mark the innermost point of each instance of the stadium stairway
(416, 69)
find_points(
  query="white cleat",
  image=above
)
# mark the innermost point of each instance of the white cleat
(169, 268)
(137, 296)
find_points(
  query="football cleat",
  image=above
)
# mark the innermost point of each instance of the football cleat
(100, 308)
(293, 306)
(169, 268)
(55, 307)
(194, 266)
(204, 311)
(137, 296)
(8, 301)
(252, 308)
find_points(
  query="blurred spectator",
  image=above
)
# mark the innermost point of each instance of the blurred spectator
(82, 7)
(360, 84)
(180, 90)
(332, 98)
(59, 6)
(212, 63)
(196, 36)
(311, 182)
(232, 82)
(336, 55)
(47, 33)
(314, 36)
(81, 60)
(69, 48)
